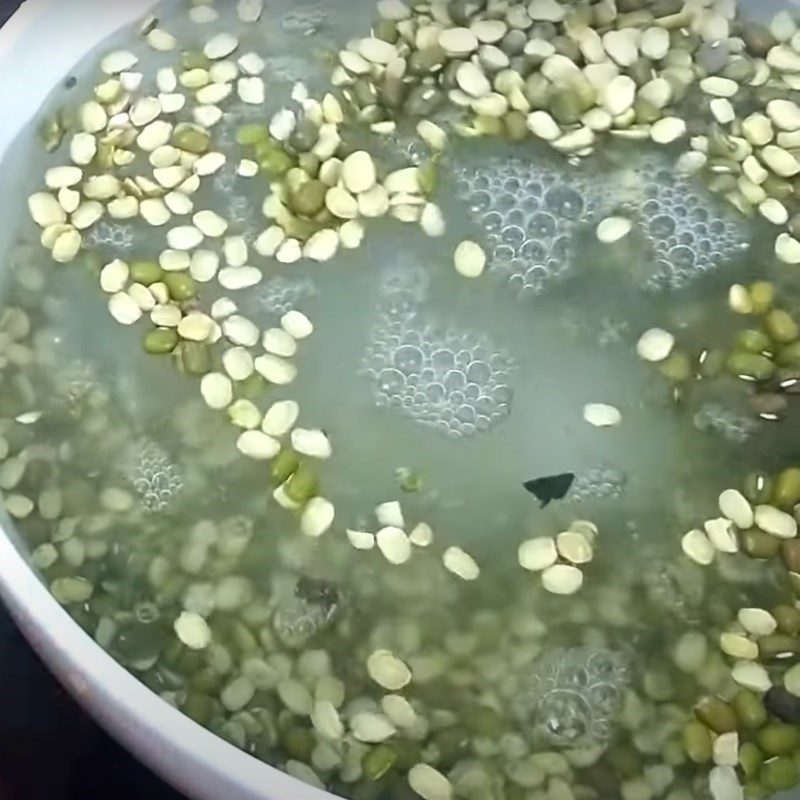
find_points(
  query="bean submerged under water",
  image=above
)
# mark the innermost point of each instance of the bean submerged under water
(255, 567)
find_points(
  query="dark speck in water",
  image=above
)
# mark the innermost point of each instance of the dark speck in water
(552, 487)
(70, 82)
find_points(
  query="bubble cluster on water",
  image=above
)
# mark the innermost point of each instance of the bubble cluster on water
(452, 380)
(730, 425)
(278, 295)
(155, 477)
(572, 696)
(529, 213)
(688, 229)
(115, 236)
(597, 483)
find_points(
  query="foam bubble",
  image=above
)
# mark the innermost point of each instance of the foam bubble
(572, 697)
(597, 483)
(688, 229)
(156, 479)
(454, 381)
(529, 213)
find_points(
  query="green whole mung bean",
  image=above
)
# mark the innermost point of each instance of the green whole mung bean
(697, 742)
(777, 647)
(750, 365)
(194, 358)
(386, 30)
(779, 774)
(299, 743)
(252, 134)
(750, 759)
(192, 59)
(779, 188)
(790, 550)
(646, 112)
(181, 286)
(273, 160)
(378, 761)
(754, 790)
(757, 38)
(778, 738)
(392, 92)
(198, 706)
(715, 714)
(302, 485)
(516, 126)
(566, 106)
(309, 163)
(191, 138)
(758, 487)
(762, 296)
(283, 466)
(309, 198)
(712, 364)
(749, 709)
(160, 341)
(252, 387)
(789, 356)
(488, 126)
(781, 327)
(752, 341)
(786, 494)
(788, 619)
(677, 367)
(300, 228)
(105, 155)
(145, 272)
(758, 544)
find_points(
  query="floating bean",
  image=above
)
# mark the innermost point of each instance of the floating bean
(750, 365)
(161, 341)
(758, 544)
